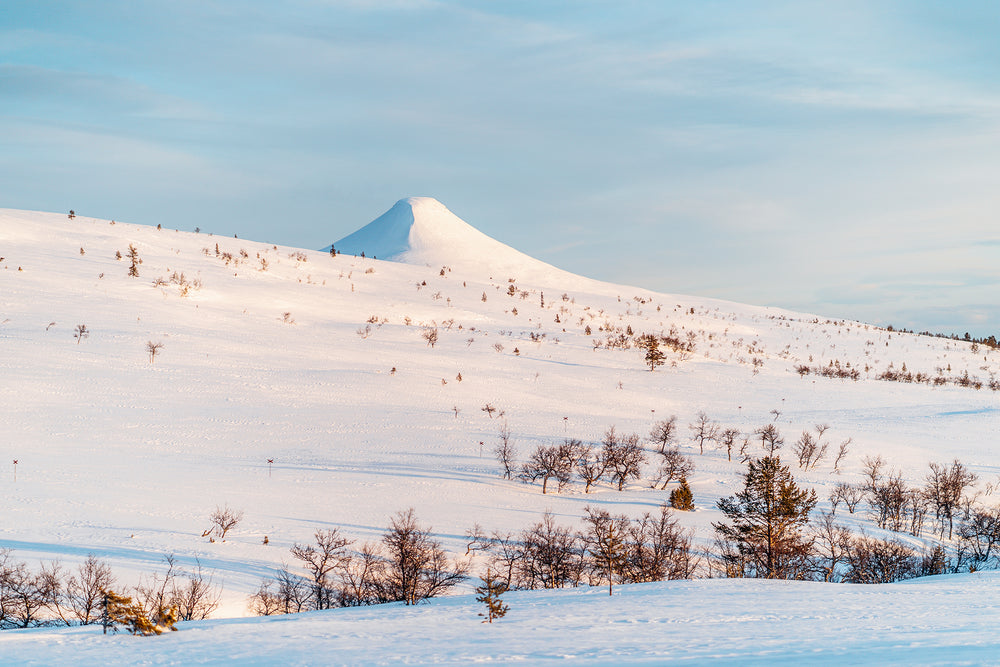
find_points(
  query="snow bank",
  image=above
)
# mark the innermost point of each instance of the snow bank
(935, 621)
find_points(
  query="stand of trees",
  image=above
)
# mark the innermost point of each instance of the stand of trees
(407, 565)
(770, 533)
(54, 596)
(610, 549)
(617, 459)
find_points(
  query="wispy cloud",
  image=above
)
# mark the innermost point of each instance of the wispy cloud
(838, 155)
(30, 84)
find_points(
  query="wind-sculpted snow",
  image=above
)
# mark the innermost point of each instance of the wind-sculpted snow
(320, 364)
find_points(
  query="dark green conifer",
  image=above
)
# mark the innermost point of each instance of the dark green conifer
(763, 537)
(681, 497)
(489, 594)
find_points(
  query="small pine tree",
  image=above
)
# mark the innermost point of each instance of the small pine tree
(765, 534)
(654, 355)
(133, 255)
(122, 612)
(489, 594)
(681, 498)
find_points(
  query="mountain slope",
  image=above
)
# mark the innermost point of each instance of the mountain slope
(319, 363)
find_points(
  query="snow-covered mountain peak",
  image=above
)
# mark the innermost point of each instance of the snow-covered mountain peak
(421, 230)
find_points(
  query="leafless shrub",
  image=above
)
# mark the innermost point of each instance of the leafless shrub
(505, 452)
(550, 462)
(362, 577)
(979, 539)
(809, 450)
(430, 334)
(610, 549)
(872, 470)
(874, 561)
(416, 567)
(293, 591)
(321, 560)
(849, 494)
(624, 457)
(888, 499)
(153, 593)
(223, 520)
(727, 440)
(841, 455)
(265, 601)
(84, 591)
(770, 438)
(944, 487)
(831, 542)
(673, 466)
(22, 594)
(153, 349)
(551, 556)
(590, 465)
(196, 597)
(659, 549)
(703, 430)
(664, 433)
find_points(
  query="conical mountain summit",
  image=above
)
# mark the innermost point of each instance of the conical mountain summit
(421, 230)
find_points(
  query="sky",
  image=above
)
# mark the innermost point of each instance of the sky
(835, 158)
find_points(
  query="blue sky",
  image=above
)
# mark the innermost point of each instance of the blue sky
(839, 158)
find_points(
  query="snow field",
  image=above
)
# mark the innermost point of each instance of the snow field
(126, 459)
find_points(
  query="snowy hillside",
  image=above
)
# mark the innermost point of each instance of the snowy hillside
(321, 364)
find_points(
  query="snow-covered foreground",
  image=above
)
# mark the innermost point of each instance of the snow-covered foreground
(320, 363)
(948, 620)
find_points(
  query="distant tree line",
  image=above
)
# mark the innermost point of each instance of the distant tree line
(988, 341)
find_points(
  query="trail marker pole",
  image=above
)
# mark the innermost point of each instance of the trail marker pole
(269, 462)
(15, 471)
